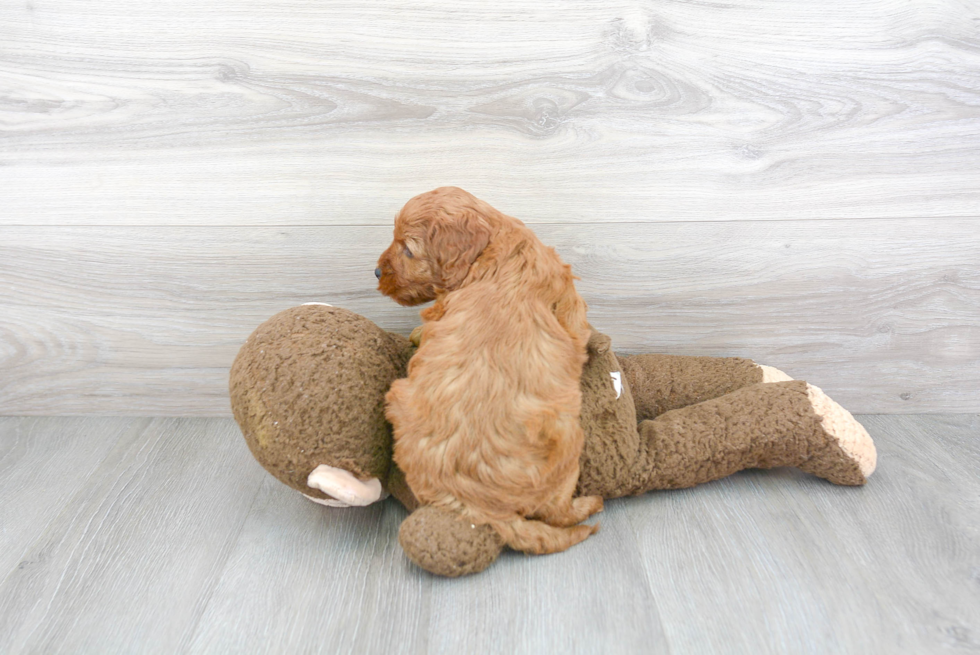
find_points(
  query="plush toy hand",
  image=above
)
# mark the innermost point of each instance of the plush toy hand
(344, 487)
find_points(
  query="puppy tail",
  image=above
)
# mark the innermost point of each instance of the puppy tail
(539, 538)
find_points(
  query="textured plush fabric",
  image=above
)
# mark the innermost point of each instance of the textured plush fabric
(609, 423)
(398, 487)
(760, 426)
(307, 388)
(441, 543)
(661, 383)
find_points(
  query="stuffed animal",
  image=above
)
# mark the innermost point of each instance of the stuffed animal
(308, 386)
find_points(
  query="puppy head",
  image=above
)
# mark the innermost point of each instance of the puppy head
(438, 236)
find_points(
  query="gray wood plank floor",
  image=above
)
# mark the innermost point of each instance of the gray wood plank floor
(163, 535)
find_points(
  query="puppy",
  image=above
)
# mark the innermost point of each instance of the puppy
(487, 421)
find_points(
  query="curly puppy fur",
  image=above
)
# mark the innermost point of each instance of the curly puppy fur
(487, 421)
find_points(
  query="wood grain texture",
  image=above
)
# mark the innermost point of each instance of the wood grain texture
(129, 562)
(180, 543)
(342, 584)
(315, 581)
(891, 567)
(269, 113)
(883, 315)
(43, 465)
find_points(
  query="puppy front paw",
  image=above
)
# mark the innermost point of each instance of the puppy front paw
(599, 344)
(416, 337)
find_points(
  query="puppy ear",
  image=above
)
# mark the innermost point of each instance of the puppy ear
(456, 243)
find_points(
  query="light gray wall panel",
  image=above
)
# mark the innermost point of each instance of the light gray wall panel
(256, 112)
(884, 314)
(159, 164)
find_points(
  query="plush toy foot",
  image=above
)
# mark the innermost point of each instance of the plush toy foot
(848, 455)
(770, 374)
(442, 542)
(761, 426)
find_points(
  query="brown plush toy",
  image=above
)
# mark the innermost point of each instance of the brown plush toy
(308, 387)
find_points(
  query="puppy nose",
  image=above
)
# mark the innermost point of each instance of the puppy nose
(377, 273)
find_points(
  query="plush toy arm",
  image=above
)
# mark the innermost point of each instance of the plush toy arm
(398, 487)
(759, 426)
(661, 383)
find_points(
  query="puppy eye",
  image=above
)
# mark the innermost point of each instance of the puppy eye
(408, 253)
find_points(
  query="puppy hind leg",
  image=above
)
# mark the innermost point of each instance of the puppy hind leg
(539, 538)
(563, 511)
(569, 511)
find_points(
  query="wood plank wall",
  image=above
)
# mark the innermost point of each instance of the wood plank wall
(798, 183)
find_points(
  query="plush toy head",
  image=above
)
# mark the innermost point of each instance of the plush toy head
(307, 389)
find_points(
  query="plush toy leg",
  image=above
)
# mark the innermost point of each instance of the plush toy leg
(661, 383)
(760, 426)
(442, 542)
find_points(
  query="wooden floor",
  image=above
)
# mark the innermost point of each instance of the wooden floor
(163, 535)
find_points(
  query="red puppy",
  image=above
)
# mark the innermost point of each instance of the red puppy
(487, 422)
